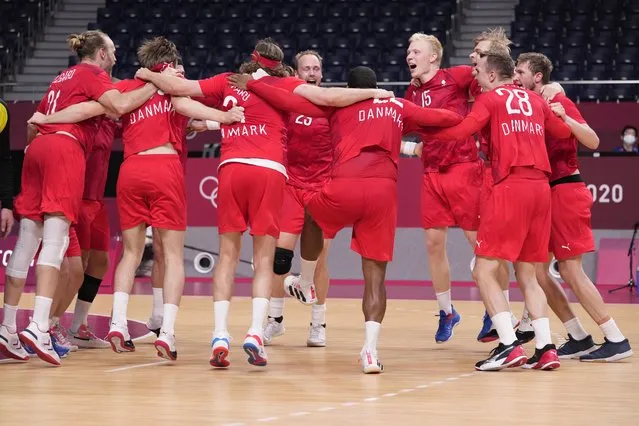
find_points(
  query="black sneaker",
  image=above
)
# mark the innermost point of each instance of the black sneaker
(609, 352)
(544, 359)
(503, 356)
(573, 349)
(524, 336)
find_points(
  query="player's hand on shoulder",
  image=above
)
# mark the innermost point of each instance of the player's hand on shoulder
(172, 72)
(550, 90)
(239, 80)
(197, 126)
(415, 82)
(234, 115)
(419, 149)
(383, 94)
(37, 118)
(558, 109)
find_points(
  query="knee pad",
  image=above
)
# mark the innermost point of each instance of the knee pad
(26, 247)
(55, 241)
(282, 261)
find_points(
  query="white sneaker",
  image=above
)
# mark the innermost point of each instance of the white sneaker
(272, 330)
(302, 291)
(165, 345)
(120, 339)
(40, 342)
(316, 336)
(85, 338)
(370, 363)
(60, 335)
(220, 351)
(10, 345)
(255, 350)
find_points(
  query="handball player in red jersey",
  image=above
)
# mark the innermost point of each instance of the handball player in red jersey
(252, 178)
(571, 232)
(309, 153)
(515, 223)
(367, 138)
(151, 191)
(52, 186)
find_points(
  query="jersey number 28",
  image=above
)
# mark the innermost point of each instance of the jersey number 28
(522, 100)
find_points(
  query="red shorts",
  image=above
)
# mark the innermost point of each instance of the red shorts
(292, 212)
(486, 188)
(571, 231)
(249, 196)
(52, 178)
(515, 224)
(93, 226)
(369, 205)
(151, 191)
(452, 197)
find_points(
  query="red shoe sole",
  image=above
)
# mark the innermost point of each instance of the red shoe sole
(116, 339)
(42, 355)
(6, 352)
(218, 358)
(164, 350)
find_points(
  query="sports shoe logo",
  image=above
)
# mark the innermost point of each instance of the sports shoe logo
(479, 243)
(567, 247)
(208, 189)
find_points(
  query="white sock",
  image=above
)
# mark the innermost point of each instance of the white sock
(506, 295)
(542, 332)
(158, 303)
(307, 270)
(611, 331)
(80, 314)
(445, 302)
(120, 304)
(575, 329)
(276, 307)
(372, 334)
(221, 313)
(9, 321)
(318, 314)
(502, 324)
(168, 319)
(260, 308)
(41, 312)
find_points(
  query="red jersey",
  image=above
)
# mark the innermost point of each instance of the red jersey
(80, 83)
(448, 89)
(262, 134)
(98, 160)
(377, 125)
(309, 151)
(563, 152)
(152, 124)
(179, 130)
(517, 121)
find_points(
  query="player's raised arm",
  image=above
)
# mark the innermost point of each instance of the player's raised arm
(283, 99)
(474, 122)
(582, 131)
(339, 96)
(194, 109)
(435, 117)
(170, 83)
(72, 114)
(554, 126)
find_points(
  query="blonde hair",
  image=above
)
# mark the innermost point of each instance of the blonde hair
(269, 49)
(87, 44)
(308, 52)
(156, 51)
(435, 44)
(495, 36)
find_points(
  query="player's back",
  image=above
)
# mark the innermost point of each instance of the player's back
(562, 153)
(369, 127)
(80, 83)
(262, 133)
(309, 150)
(152, 124)
(517, 129)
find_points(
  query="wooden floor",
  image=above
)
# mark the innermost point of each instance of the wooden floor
(424, 383)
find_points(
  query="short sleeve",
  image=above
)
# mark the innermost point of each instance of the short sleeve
(571, 108)
(99, 85)
(289, 83)
(214, 86)
(462, 74)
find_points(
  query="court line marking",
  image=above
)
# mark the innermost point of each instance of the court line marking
(131, 367)
(368, 399)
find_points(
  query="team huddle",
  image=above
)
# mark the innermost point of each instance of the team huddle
(301, 162)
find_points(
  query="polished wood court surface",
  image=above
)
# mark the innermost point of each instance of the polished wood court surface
(424, 383)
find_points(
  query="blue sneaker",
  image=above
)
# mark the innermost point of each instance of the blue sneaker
(60, 350)
(446, 325)
(487, 333)
(609, 352)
